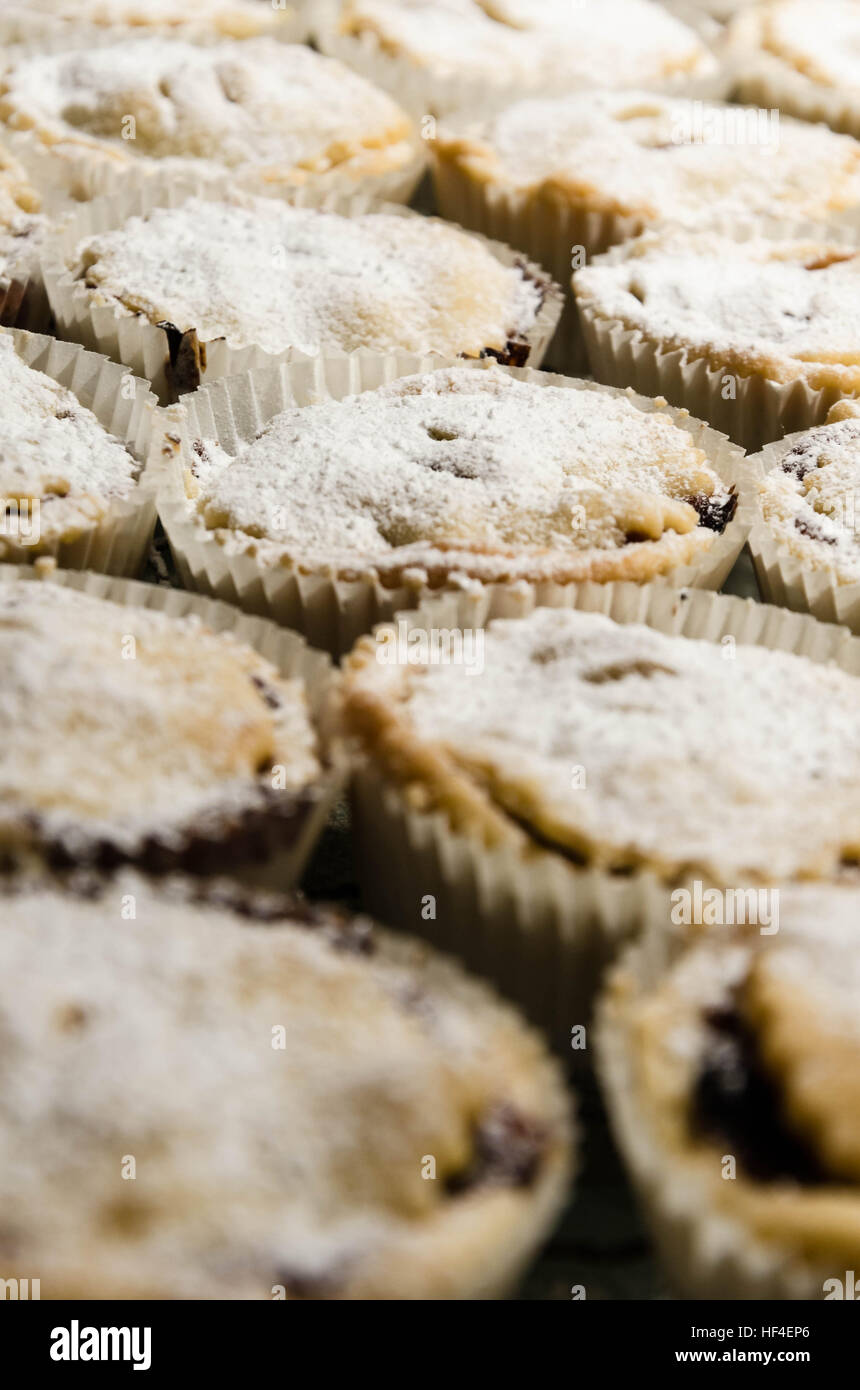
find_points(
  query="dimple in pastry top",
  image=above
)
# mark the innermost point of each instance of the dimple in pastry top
(143, 737)
(810, 499)
(655, 158)
(259, 272)
(749, 1046)
(532, 43)
(279, 114)
(622, 748)
(60, 470)
(465, 472)
(784, 309)
(373, 1123)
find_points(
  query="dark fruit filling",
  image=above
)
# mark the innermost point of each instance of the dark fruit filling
(808, 528)
(737, 1105)
(714, 514)
(508, 1147)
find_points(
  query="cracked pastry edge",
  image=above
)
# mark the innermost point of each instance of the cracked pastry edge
(745, 1238)
(446, 1256)
(740, 361)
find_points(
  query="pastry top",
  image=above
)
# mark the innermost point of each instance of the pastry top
(818, 40)
(656, 158)
(810, 500)
(22, 227)
(465, 470)
(782, 308)
(261, 272)
(278, 111)
(54, 452)
(197, 1104)
(199, 19)
(531, 43)
(134, 728)
(750, 1045)
(638, 749)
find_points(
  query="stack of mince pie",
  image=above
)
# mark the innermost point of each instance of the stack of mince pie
(306, 562)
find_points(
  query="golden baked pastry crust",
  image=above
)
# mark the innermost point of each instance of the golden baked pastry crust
(144, 738)
(467, 473)
(373, 1123)
(793, 991)
(278, 115)
(626, 705)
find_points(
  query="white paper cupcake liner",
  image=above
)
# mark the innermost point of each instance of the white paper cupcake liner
(117, 542)
(145, 347)
(548, 231)
(756, 409)
(706, 1252)
(541, 928)
(782, 577)
(430, 92)
(330, 611)
(23, 298)
(286, 650)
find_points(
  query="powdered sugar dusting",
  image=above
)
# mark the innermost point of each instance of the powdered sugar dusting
(279, 109)
(280, 277)
(534, 42)
(55, 450)
(818, 38)
(630, 153)
(129, 723)
(305, 1077)
(691, 757)
(460, 467)
(787, 308)
(811, 500)
(211, 18)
